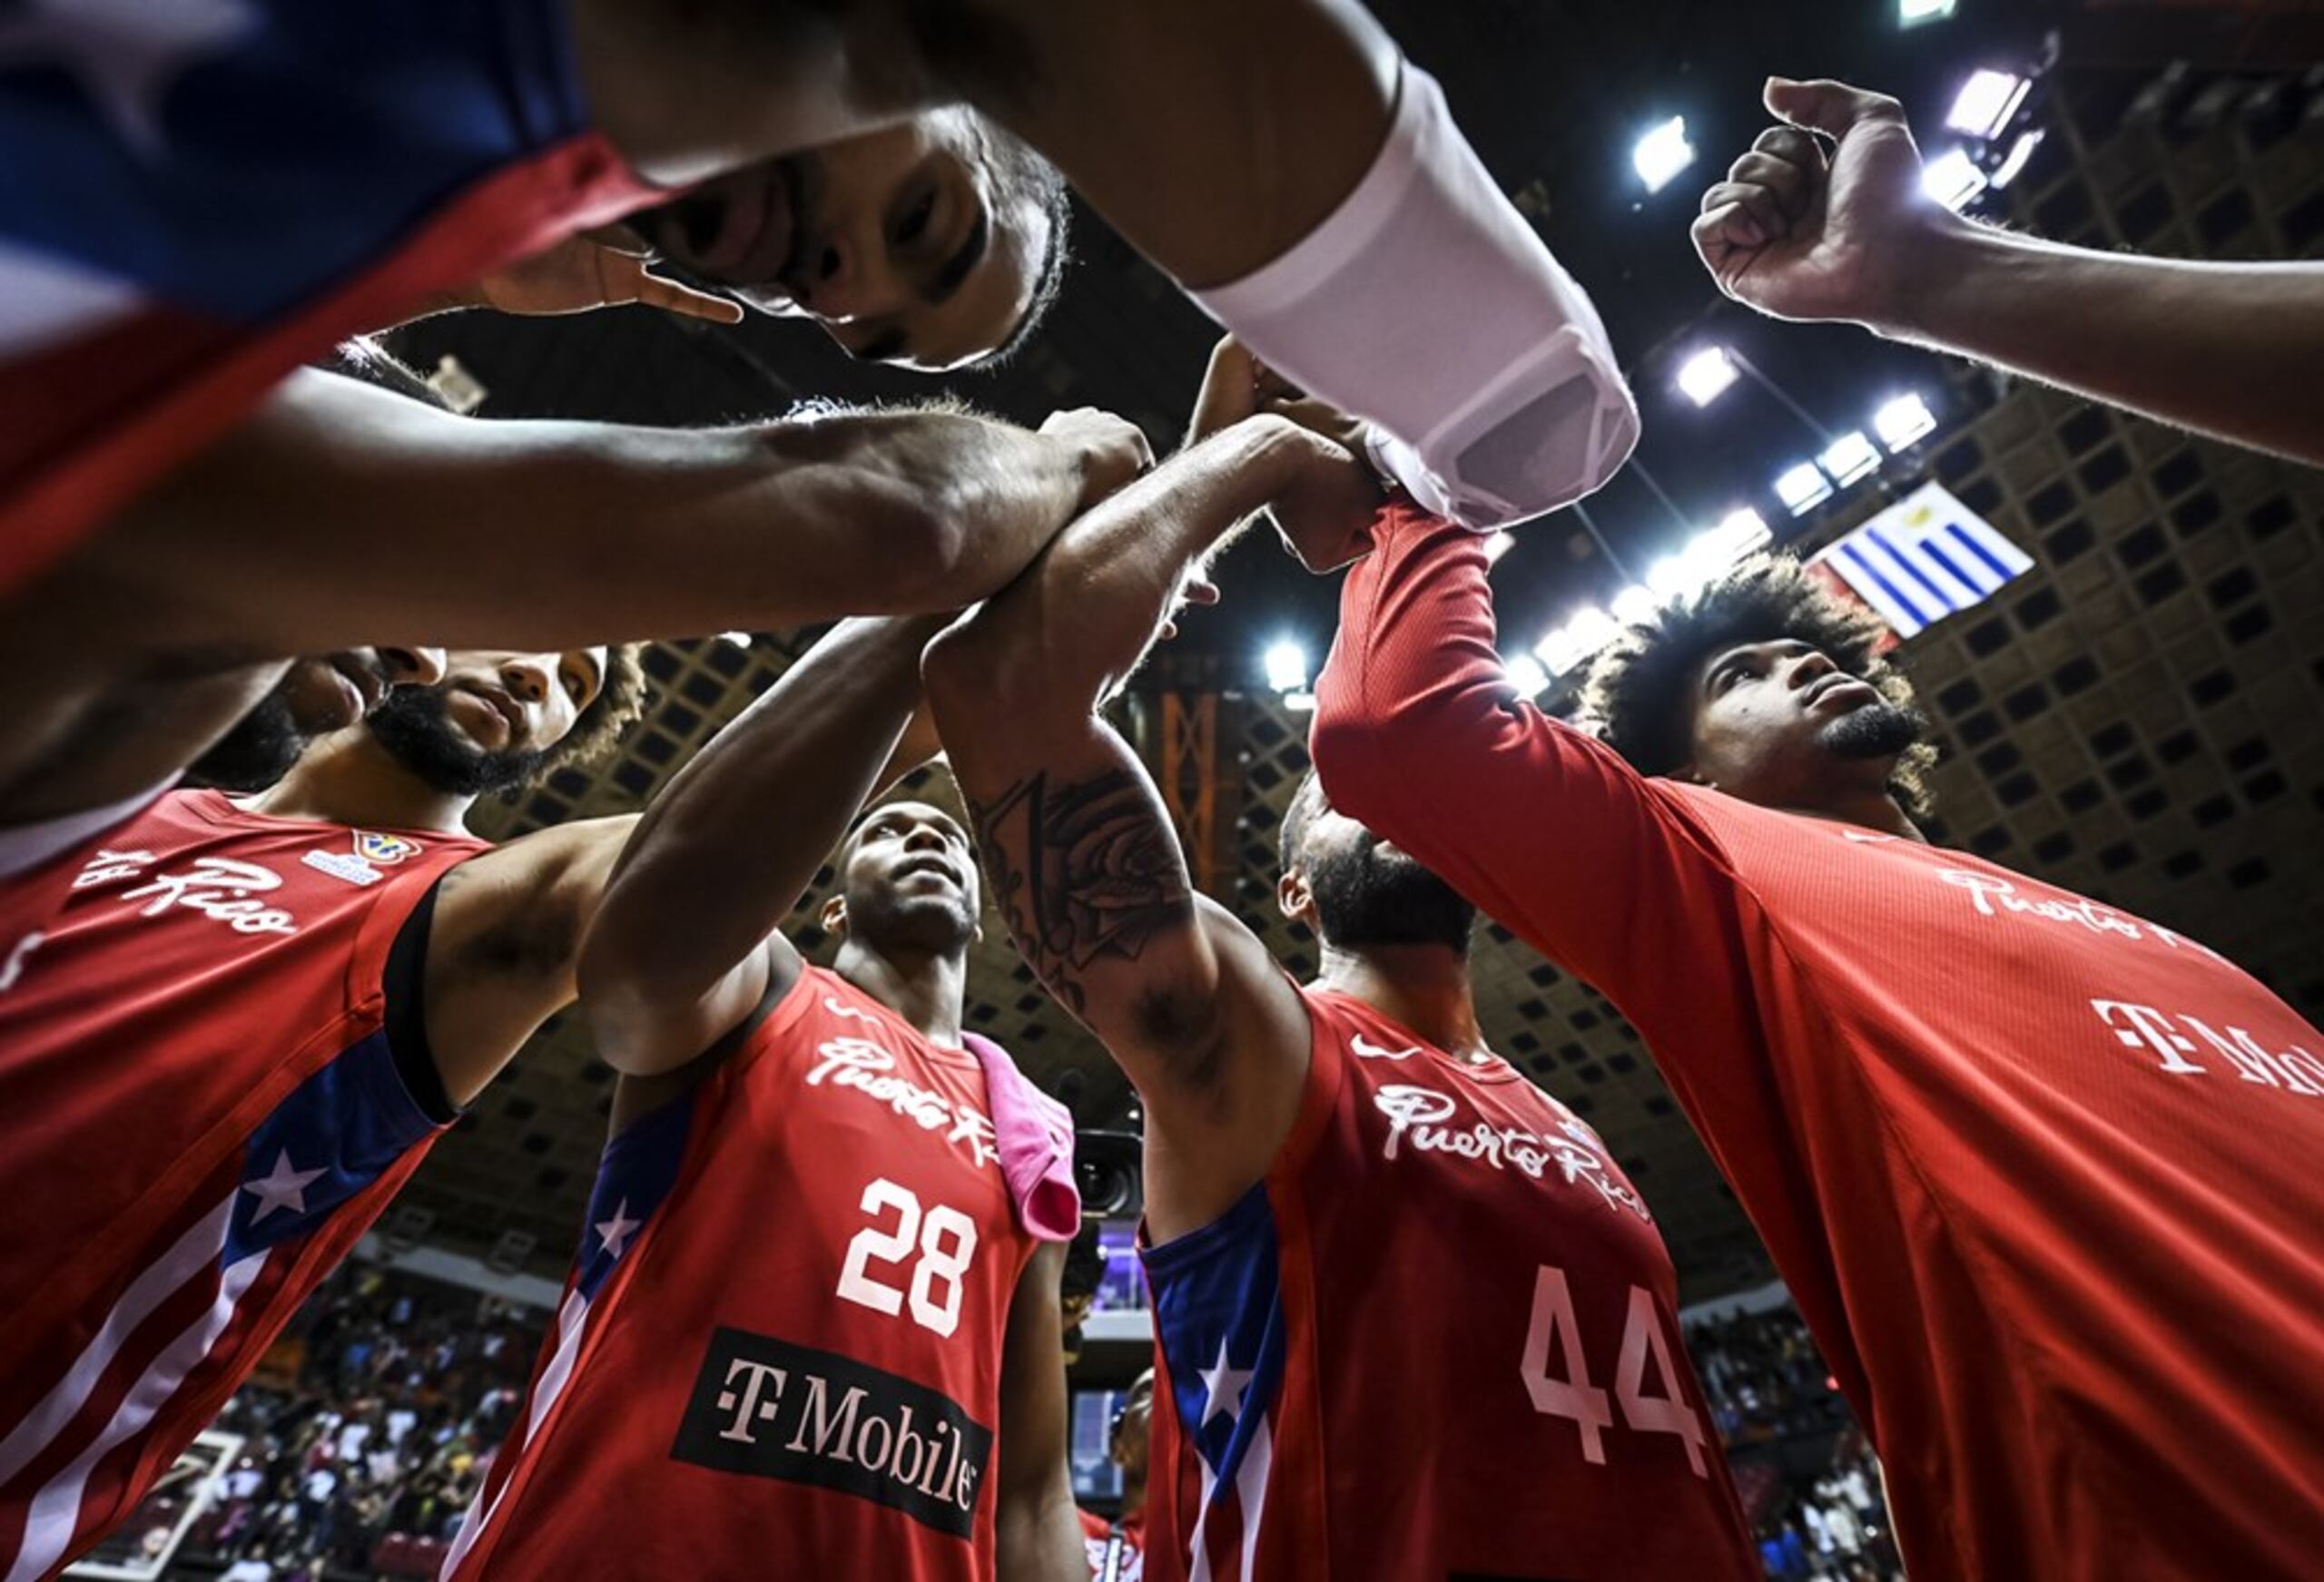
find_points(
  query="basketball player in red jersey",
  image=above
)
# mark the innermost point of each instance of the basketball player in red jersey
(1412, 1321)
(869, 162)
(2038, 1172)
(242, 1034)
(807, 1334)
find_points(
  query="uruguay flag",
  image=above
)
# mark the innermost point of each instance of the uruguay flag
(198, 195)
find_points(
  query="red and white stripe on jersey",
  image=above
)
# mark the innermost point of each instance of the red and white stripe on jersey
(214, 1116)
(640, 1165)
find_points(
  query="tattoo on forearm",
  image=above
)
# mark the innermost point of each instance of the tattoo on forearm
(1082, 873)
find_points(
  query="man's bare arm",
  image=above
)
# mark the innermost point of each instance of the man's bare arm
(501, 947)
(1038, 1533)
(2226, 349)
(1212, 133)
(341, 514)
(1085, 867)
(685, 943)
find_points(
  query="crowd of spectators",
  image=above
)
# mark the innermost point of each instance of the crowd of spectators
(370, 1430)
(1764, 1377)
(1836, 1530)
(1767, 1384)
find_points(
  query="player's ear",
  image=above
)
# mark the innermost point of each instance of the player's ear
(1292, 894)
(833, 917)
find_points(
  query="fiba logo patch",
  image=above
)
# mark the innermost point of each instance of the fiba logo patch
(387, 850)
(766, 1408)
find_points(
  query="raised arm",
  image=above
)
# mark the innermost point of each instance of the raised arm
(1419, 735)
(687, 940)
(1315, 193)
(343, 513)
(1085, 866)
(2228, 349)
(1038, 1531)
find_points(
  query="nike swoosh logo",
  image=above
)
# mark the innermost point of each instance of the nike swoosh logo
(1371, 1051)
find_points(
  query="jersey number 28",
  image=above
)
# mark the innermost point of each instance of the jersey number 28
(947, 1239)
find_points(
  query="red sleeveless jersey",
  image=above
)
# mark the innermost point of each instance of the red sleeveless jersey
(1440, 1340)
(204, 1115)
(780, 1351)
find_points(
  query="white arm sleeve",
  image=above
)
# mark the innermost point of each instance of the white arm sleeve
(1426, 304)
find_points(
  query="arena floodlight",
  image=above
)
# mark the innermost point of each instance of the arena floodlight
(1301, 701)
(1634, 605)
(1913, 13)
(2020, 153)
(1287, 666)
(1850, 459)
(1559, 650)
(1593, 628)
(739, 639)
(1525, 673)
(1802, 488)
(1499, 544)
(1672, 576)
(1718, 549)
(1662, 153)
(1903, 422)
(1986, 102)
(1705, 376)
(1589, 630)
(1953, 180)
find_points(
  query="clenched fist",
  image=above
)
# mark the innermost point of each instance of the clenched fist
(1109, 451)
(1801, 234)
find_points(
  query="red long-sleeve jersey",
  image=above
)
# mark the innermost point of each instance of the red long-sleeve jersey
(2042, 1176)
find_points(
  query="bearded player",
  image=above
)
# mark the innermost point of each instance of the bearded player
(813, 1328)
(127, 745)
(245, 1028)
(2038, 1174)
(165, 260)
(1358, 1217)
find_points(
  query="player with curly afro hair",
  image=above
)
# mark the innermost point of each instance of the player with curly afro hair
(1657, 700)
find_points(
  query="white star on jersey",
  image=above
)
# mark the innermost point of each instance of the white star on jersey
(615, 1232)
(125, 53)
(281, 1187)
(1221, 1388)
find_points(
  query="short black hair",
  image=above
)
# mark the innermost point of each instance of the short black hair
(1025, 173)
(1640, 690)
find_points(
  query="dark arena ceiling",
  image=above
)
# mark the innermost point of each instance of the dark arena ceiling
(2141, 718)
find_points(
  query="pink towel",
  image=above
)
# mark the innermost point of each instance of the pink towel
(1035, 1136)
